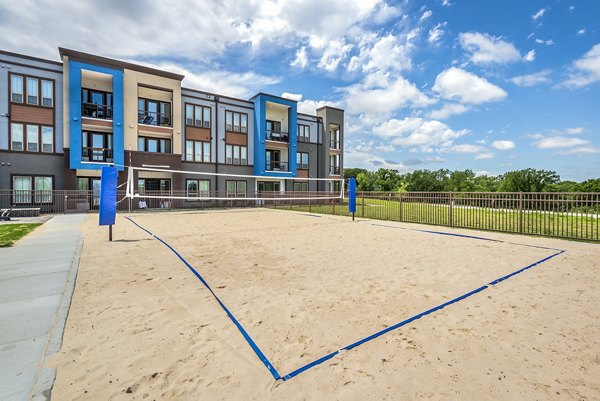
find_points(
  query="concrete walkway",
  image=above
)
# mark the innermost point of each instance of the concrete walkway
(37, 278)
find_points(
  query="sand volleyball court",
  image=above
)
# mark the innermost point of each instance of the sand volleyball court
(302, 287)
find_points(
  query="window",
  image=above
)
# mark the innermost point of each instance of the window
(196, 151)
(47, 93)
(154, 145)
(334, 164)
(236, 122)
(43, 189)
(236, 189)
(38, 186)
(83, 184)
(197, 116)
(198, 188)
(302, 161)
(97, 146)
(33, 138)
(154, 112)
(236, 154)
(97, 104)
(303, 133)
(16, 88)
(32, 90)
(47, 139)
(16, 136)
(334, 136)
(301, 186)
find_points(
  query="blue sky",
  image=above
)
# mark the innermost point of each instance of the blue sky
(488, 85)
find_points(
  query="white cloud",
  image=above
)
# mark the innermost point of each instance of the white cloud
(503, 145)
(301, 59)
(535, 136)
(436, 33)
(418, 133)
(485, 155)
(580, 151)
(480, 173)
(334, 53)
(581, 31)
(530, 56)
(425, 15)
(548, 42)
(387, 53)
(465, 87)
(541, 77)
(380, 94)
(573, 131)
(467, 148)
(486, 49)
(293, 96)
(309, 106)
(539, 14)
(586, 70)
(449, 109)
(552, 142)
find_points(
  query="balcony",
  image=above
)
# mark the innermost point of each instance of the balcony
(93, 110)
(334, 170)
(277, 136)
(100, 155)
(154, 118)
(276, 166)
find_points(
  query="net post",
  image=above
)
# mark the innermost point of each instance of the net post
(352, 196)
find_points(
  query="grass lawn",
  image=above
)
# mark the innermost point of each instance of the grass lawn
(547, 223)
(9, 233)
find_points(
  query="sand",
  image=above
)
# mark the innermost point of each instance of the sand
(142, 326)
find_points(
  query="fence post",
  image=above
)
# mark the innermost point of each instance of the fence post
(362, 201)
(400, 202)
(309, 204)
(520, 212)
(65, 204)
(450, 209)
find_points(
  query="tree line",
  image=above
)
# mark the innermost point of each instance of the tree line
(444, 180)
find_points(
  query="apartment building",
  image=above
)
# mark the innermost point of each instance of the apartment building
(60, 122)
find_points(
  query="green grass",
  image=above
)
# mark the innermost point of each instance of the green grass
(553, 224)
(9, 233)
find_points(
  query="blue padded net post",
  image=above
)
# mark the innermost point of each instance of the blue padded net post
(108, 198)
(352, 196)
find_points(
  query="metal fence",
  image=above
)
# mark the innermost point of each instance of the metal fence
(564, 215)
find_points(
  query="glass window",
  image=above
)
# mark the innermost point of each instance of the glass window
(16, 136)
(189, 150)
(298, 159)
(206, 152)
(22, 189)
(204, 188)
(16, 87)
(47, 93)
(32, 90)
(301, 186)
(165, 146)
(244, 123)
(229, 121)
(43, 189)
(152, 145)
(141, 144)
(47, 139)
(83, 184)
(236, 154)
(192, 188)
(33, 138)
(228, 154)
(206, 117)
(236, 122)
(165, 114)
(305, 161)
(231, 188)
(141, 184)
(96, 98)
(189, 114)
(198, 151)
(244, 155)
(198, 122)
(241, 189)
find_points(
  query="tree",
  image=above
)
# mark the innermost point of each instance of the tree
(353, 172)
(462, 181)
(592, 185)
(528, 180)
(486, 183)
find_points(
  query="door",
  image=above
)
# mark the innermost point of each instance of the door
(273, 158)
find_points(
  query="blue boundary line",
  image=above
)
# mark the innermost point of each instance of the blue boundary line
(373, 336)
(244, 333)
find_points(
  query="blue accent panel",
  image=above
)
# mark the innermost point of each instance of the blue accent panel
(108, 196)
(260, 126)
(352, 195)
(75, 68)
(237, 324)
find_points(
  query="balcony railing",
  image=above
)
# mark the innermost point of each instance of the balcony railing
(154, 118)
(93, 110)
(333, 144)
(276, 166)
(101, 155)
(334, 170)
(278, 136)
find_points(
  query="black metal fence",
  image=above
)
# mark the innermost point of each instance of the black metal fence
(564, 215)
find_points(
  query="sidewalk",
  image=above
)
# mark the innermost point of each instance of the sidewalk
(37, 278)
